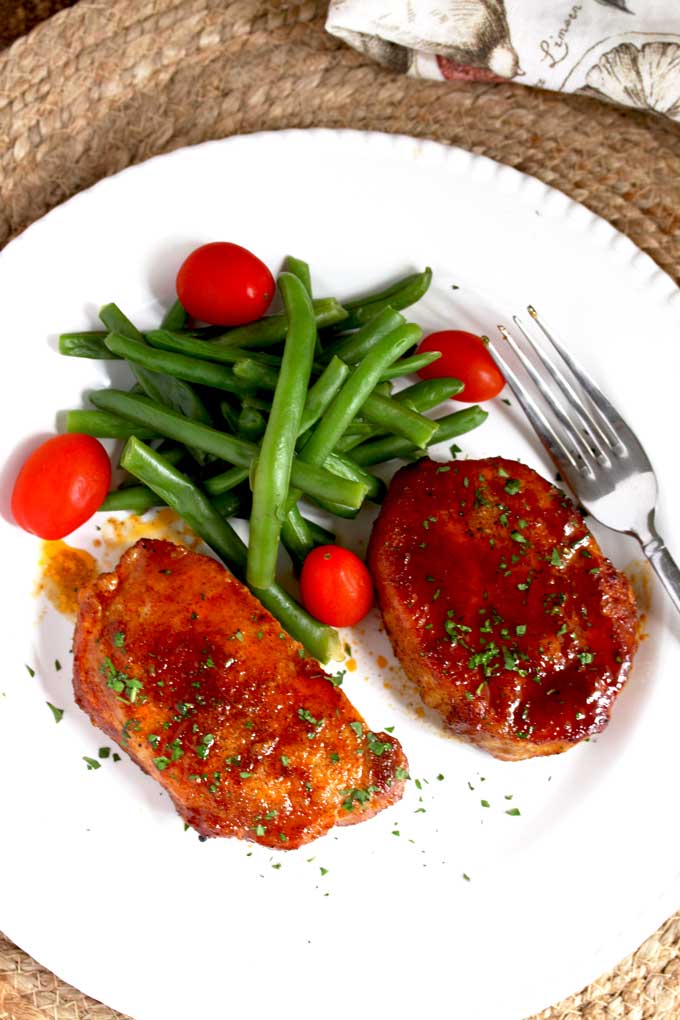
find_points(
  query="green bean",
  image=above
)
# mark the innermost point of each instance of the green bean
(179, 366)
(345, 467)
(353, 348)
(177, 395)
(89, 344)
(408, 365)
(355, 391)
(135, 498)
(226, 481)
(296, 537)
(399, 295)
(256, 375)
(272, 475)
(226, 503)
(389, 447)
(384, 294)
(175, 317)
(173, 393)
(105, 426)
(355, 433)
(300, 269)
(116, 322)
(425, 395)
(272, 329)
(194, 507)
(251, 424)
(230, 415)
(257, 403)
(310, 479)
(322, 392)
(394, 416)
(320, 535)
(183, 343)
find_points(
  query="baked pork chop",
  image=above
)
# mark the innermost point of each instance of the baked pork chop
(179, 664)
(501, 606)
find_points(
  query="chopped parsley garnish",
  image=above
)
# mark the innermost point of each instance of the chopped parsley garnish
(119, 682)
(377, 747)
(91, 763)
(285, 760)
(154, 740)
(31, 672)
(513, 812)
(338, 677)
(119, 639)
(485, 803)
(358, 728)
(306, 716)
(555, 558)
(521, 629)
(57, 665)
(401, 774)
(176, 751)
(517, 536)
(161, 762)
(103, 752)
(56, 712)
(484, 658)
(203, 747)
(513, 486)
(586, 658)
(355, 796)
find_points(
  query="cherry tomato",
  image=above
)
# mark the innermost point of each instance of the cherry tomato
(60, 485)
(224, 284)
(464, 357)
(335, 585)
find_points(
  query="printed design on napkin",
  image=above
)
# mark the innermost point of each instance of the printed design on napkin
(583, 46)
(645, 77)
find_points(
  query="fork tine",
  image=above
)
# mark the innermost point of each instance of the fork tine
(611, 421)
(583, 453)
(540, 423)
(589, 425)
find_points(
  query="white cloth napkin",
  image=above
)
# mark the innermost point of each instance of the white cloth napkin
(624, 51)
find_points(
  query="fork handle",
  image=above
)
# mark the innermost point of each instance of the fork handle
(663, 563)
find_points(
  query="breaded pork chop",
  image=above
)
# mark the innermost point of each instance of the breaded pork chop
(179, 664)
(501, 606)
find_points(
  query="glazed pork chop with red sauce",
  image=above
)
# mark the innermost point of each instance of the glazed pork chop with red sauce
(178, 663)
(501, 606)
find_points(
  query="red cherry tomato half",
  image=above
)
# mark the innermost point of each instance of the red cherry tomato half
(464, 357)
(224, 284)
(335, 585)
(60, 485)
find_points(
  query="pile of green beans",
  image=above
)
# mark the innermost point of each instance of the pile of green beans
(251, 420)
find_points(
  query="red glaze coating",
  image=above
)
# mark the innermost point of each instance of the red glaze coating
(216, 702)
(501, 606)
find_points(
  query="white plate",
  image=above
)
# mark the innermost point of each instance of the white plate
(101, 883)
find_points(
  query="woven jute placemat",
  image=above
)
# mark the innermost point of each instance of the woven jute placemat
(103, 84)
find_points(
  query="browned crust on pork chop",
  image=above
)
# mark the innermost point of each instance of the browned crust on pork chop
(178, 663)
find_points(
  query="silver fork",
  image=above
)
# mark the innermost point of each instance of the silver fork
(597, 454)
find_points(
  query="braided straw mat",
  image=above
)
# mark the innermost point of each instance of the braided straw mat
(107, 83)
